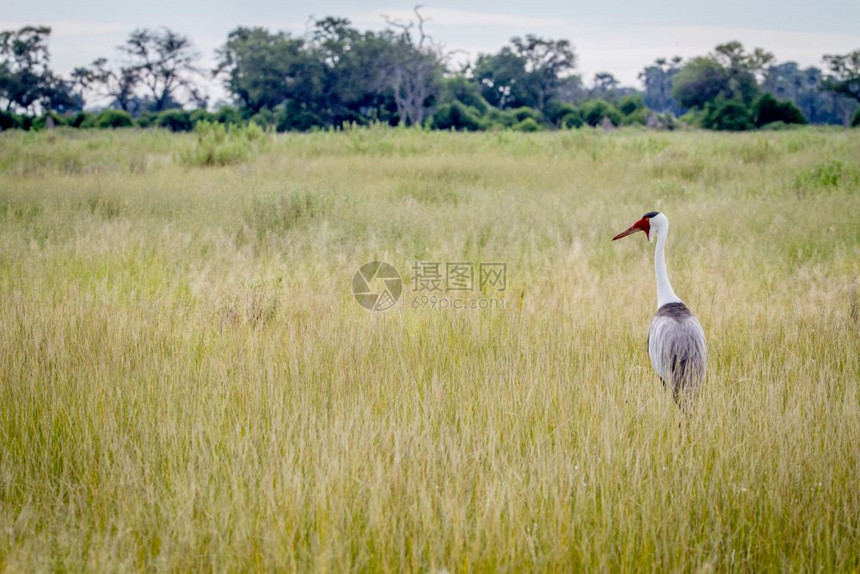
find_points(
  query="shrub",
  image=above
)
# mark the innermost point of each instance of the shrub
(292, 118)
(216, 145)
(767, 109)
(855, 119)
(229, 115)
(501, 118)
(630, 104)
(524, 113)
(556, 112)
(727, 115)
(113, 119)
(527, 125)
(637, 117)
(79, 119)
(572, 119)
(176, 120)
(457, 116)
(465, 91)
(147, 119)
(10, 121)
(201, 115)
(593, 112)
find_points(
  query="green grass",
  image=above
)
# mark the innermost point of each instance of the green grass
(188, 384)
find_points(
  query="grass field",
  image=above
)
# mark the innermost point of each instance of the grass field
(188, 383)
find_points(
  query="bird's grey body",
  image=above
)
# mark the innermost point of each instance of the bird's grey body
(676, 345)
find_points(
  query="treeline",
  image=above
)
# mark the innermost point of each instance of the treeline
(336, 75)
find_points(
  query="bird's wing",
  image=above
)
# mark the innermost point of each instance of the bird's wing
(676, 345)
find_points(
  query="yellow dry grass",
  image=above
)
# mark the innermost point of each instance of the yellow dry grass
(186, 382)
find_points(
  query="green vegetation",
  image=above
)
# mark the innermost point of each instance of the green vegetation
(188, 383)
(337, 76)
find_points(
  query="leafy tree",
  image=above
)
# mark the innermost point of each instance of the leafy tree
(164, 63)
(657, 79)
(805, 88)
(844, 74)
(263, 69)
(26, 80)
(728, 73)
(354, 67)
(855, 119)
(700, 81)
(526, 73)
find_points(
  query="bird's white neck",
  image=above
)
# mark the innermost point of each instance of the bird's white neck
(665, 293)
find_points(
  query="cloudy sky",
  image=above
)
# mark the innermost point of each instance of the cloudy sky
(619, 36)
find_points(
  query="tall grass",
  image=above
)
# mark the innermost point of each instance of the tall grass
(186, 382)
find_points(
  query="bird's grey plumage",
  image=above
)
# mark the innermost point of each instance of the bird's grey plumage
(676, 345)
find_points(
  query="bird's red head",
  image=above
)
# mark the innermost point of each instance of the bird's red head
(643, 224)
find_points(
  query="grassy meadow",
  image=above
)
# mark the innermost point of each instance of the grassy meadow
(187, 382)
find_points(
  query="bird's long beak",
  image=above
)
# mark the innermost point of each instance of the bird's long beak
(641, 225)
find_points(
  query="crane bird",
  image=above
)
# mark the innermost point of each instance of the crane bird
(676, 341)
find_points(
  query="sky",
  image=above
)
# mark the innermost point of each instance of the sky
(618, 36)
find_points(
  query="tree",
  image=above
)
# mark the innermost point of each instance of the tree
(657, 79)
(263, 69)
(844, 74)
(414, 69)
(119, 84)
(700, 81)
(354, 81)
(605, 86)
(26, 80)
(163, 62)
(805, 88)
(528, 72)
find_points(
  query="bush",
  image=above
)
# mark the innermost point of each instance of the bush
(855, 119)
(463, 90)
(637, 117)
(81, 118)
(457, 116)
(217, 145)
(147, 119)
(767, 109)
(593, 112)
(527, 125)
(572, 120)
(525, 113)
(10, 121)
(556, 112)
(229, 115)
(113, 119)
(176, 120)
(201, 115)
(292, 118)
(630, 104)
(727, 115)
